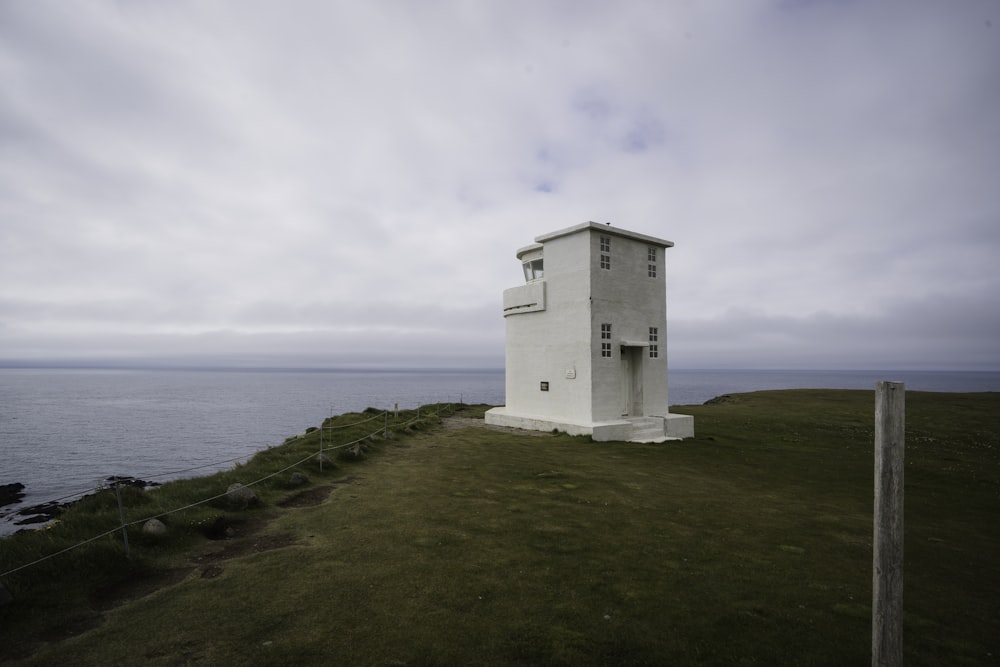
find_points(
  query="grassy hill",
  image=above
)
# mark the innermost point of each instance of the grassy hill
(452, 543)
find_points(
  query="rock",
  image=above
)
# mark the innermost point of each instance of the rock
(39, 513)
(325, 462)
(240, 497)
(154, 528)
(125, 480)
(220, 529)
(11, 493)
(297, 479)
(354, 453)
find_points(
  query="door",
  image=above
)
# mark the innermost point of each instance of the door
(631, 380)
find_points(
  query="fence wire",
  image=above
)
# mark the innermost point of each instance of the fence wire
(125, 525)
(172, 473)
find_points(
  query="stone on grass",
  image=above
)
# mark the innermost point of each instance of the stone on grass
(154, 528)
(240, 497)
(297, 479)
(354, 453)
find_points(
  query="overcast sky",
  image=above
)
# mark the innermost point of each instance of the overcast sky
(346, 183)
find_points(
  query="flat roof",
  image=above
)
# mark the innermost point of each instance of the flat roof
(605, 229)
(534, 247)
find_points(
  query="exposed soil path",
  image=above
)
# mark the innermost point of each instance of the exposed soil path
(230, 537)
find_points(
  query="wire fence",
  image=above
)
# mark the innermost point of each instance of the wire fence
(324, 447)
(172, 474)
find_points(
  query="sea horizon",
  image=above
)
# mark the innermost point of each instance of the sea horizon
(154, 365)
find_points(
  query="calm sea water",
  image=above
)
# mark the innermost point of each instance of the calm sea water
(63, 431)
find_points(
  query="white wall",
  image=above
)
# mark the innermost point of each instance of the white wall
(632, 302)
(544, 345)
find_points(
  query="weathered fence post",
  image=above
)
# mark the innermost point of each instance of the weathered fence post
(322, 427)
(121, 515)
(887, 543)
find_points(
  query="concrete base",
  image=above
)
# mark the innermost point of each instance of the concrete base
(679, 426)
(668, 427)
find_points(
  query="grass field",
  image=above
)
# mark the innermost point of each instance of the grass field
(457, 544)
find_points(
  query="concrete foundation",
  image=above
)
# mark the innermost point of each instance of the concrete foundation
(644, 429)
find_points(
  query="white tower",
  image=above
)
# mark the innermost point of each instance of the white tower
(586, 337)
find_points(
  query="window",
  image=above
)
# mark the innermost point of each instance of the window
(654, 342)
(606, 262)
(606, 252)
(533, 270)
(606, 340)
(651, 258)
(651, 254)
(651, 270)
(605, 244)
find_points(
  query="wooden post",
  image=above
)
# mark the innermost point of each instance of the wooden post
(887, 543)
(121, 515)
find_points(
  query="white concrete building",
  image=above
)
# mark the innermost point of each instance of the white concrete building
(586, 337)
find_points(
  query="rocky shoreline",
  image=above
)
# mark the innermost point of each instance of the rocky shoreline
(13, 494)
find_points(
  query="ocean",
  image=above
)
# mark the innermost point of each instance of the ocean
(63, 431)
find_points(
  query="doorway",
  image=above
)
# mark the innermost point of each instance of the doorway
(631, 380)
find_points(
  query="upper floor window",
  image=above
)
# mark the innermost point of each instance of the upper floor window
(605, 252)
(654, 342)
(651, 266)
(533, 270)
(606, 339)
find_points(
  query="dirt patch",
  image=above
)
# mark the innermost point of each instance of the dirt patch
(307, 498)
(136, 586)
(315, 496)
(228, 527)
(83, 620)
(242, 547)
(211, 572)
(239, 537)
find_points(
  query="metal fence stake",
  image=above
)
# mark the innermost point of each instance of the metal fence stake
(121, 514)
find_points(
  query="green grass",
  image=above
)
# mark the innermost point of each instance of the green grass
(749, 544)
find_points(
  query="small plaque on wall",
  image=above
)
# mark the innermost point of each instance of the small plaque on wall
(544, 386)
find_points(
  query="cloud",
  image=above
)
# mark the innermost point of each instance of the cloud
(342, 173)
(927, 332)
